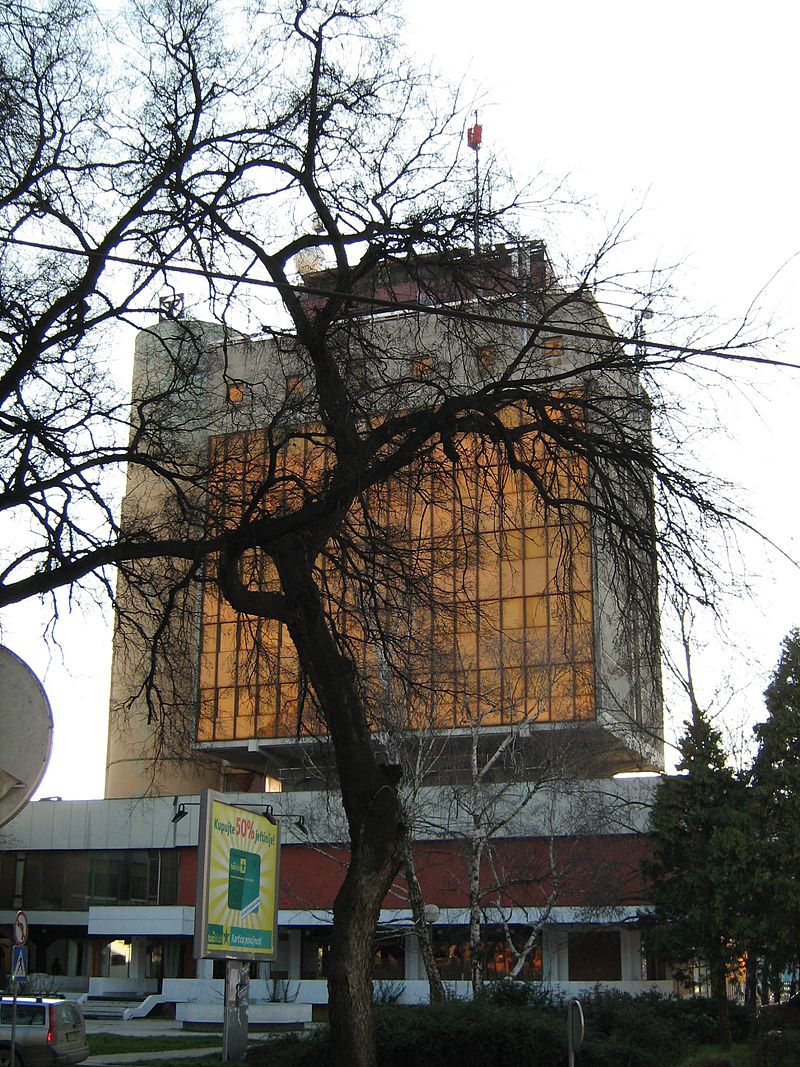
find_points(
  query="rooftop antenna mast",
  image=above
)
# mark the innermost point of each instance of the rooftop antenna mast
(474, 136)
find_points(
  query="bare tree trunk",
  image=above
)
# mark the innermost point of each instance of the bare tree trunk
(475, 915)
(374, 817)
(355, 916)
(436, 987)
(718, 979)
(527, 948)
(765, 981)
(751, 983)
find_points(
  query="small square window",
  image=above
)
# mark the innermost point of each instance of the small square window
(235, 392)
(553, 346)
(421, 365)
(294, 385)
(486, 357)
(595, 956)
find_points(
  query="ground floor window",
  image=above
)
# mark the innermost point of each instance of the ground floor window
(119, 959)
(595, 956)
(452, 953)
(654, 965)
(155, 960)
(388, 962)
(315, 950)
(389, 958)
(64, 956)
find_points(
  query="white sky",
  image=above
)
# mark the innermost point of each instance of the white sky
(689, 109)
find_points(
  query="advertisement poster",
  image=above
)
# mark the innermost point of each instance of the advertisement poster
(236, 916)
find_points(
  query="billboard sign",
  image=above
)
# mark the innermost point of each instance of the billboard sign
(236, 916)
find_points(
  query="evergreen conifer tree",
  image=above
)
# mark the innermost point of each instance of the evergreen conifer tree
(775, 866)
(700, 834)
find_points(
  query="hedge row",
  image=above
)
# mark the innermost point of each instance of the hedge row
(520, 1026)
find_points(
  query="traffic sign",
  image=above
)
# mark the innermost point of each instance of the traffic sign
(21, 928)
(19, 963)
(575, 1029)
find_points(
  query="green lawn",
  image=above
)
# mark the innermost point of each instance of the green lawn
(184, 1061)
(710, 1054)
(108, 1044)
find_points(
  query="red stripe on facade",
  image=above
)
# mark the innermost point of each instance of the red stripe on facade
(603, 871)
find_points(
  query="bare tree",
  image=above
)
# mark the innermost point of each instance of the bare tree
(403, 391)
(518, 785)
(491, 805)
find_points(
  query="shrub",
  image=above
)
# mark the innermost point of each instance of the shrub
(628, 1032)
(387, 991)
(513, 1025)
(469, 1035)
(510, 994)
(698, 1017)
(308, 1049)
(775, 1048)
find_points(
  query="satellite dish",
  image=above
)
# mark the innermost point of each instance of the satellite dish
(26, 726)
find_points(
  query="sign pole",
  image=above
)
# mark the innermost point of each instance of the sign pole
(575, 1029)
(13, 1056)
(237, 996)
(21, 939)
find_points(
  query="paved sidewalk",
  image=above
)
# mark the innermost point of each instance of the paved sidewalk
(146, 1028)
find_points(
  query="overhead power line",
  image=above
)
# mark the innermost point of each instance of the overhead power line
(734, 353)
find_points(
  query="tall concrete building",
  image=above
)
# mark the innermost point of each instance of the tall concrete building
(510, 624)
(529, 616)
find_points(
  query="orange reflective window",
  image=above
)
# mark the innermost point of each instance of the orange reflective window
(553, 346)
(467, 540)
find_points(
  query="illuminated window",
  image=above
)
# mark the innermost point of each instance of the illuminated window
(452, 953)
(486, 357)
(513, 627)
(421, 365)
(235, 392)
(553, 346)
(294, 384)
(389, 958)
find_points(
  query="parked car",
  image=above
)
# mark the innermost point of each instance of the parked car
(49, 1031)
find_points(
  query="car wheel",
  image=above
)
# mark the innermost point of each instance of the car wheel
(5, 1058)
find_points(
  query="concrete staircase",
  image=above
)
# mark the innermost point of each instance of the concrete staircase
(107, 1007)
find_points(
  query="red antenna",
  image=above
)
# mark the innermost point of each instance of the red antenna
(474, 138)
(475, 134)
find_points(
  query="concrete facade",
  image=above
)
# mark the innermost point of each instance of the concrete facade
(109, 886)
(87, 939)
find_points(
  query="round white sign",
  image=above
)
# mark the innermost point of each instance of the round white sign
(21, 928)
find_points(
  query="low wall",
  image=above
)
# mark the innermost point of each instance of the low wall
(257, 1014)
(70, 985)
(125, 988)
(297, 993)
(402, 992)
